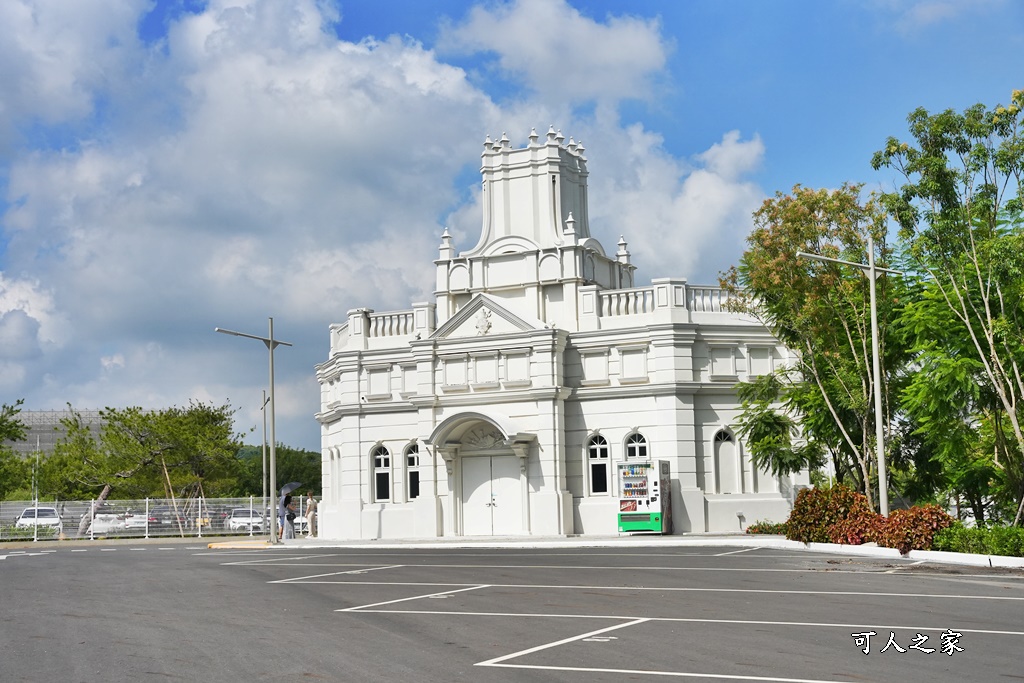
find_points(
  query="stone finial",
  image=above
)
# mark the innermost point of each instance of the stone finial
(533, 137)
(570, 225)
(447, 249)
(552, 134)
(572, 145)
(622, 255)
(488, 142)
(559, 138)
(505, 143)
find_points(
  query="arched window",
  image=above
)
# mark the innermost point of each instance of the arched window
(598, 457)
(636, 447)
(381, 474)
(412, 471)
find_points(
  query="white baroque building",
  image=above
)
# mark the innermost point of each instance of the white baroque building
(502, 406)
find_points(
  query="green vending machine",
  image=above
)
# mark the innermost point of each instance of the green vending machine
(645, 497)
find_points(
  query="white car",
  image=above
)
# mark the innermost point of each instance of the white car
(139, 520)
(107, 523)
(40, 516)
(244, 519)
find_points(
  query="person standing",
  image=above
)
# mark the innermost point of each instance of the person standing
(286, 512)
(310, 515)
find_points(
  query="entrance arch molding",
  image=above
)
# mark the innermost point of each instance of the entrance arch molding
(460, 433)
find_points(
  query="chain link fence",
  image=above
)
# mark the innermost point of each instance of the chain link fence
(146, 518)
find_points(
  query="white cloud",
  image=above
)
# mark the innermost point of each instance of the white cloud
(679, 220)
(563, 55)
(912, 17)
(260, 166)
(56, 57)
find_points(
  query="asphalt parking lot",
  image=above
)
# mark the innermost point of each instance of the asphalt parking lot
(185, 612)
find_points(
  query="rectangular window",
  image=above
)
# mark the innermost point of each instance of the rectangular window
(598, 456)
(599, 477)
(412, 471)
(382, 486)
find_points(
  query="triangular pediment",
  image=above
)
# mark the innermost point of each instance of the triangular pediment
(484, 317)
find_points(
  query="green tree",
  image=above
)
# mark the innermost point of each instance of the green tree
(75, 469)
(172, 452)
(293, 464)
(15, 471)
(820, 311)
(959, 213)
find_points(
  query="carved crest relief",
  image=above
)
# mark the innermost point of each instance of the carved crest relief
(482, 438)
(483, 321)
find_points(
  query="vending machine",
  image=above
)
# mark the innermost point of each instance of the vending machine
(645, 497)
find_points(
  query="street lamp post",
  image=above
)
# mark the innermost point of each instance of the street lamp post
(263, 409)
(871, 271)
(271, 344)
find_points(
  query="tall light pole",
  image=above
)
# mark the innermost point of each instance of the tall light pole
(263, 409)
(271, 344)
(871, 271)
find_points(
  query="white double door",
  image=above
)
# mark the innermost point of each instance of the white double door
(492, 502)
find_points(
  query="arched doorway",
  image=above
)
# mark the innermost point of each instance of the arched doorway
(486, 458)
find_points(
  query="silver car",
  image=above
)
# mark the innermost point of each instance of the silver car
(245, 519)
(40, 516)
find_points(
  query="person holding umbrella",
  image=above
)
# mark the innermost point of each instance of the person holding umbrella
(286, 510)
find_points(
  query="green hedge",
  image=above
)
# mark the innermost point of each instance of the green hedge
(764, 527)
(9, 532)
(1006, 540)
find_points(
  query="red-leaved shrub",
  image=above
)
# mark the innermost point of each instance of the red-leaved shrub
(914, 528)
(816, 511)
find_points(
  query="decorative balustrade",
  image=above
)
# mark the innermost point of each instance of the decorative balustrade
(626, 301)
(390, 324)
(640, 300)
(707, 299)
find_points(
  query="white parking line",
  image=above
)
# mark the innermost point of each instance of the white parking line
(415, 597)
(497, 660)
(676, 589)
(621, 617)
(677, 674)
(318, 576)
(736, 552)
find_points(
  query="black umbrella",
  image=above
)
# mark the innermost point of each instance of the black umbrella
(289, 487)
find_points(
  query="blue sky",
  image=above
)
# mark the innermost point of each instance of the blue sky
(168, 167)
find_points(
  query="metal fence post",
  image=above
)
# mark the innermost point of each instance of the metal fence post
(147, 517)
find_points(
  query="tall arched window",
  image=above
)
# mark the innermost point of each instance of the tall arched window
(381, 474)
(412, 471)
(598, 457)
(636, 447)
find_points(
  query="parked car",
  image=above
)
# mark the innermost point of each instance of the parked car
(245, 519)
(107, 523)
(140, 520)
(166, 515)
(214, 517)
(40, 516)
